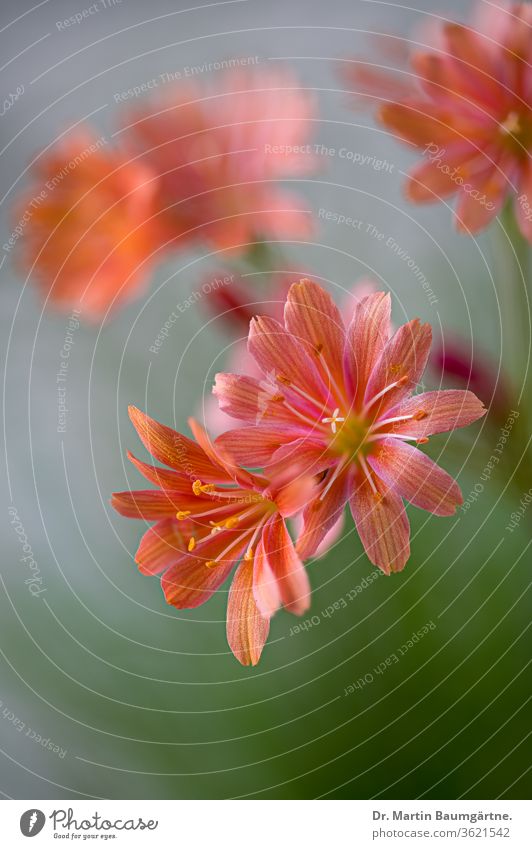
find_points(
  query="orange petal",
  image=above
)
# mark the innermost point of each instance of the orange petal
(247, 628)
(292, 578)
(382, 525)
(367, 335)
(173, 449)
(403, 358)
(265, 587)
(443, 409)
(147, 503)
(415, 477)
(311, 316)
(160, 545)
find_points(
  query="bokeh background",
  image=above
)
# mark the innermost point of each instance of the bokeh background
(144, 701)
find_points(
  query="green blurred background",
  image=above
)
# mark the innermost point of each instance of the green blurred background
(144, 701)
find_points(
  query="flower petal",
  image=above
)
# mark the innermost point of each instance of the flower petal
(147, 503)
(403, 358)
(367, 335)
(278, 353)
(250, 400)
(382, 525)
(311, 315)
(247, 628)
(307, 455)
(189, 582)
(416, 477)
(444, 409)
(252, 446)
(292, 578)
(164, 478)
(265, 587)
(320, 516)
(160, 546)
(230, 471)
(173, 449)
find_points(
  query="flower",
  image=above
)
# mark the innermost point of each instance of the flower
(210, 516)
(466, 101)
(90, 229)
(219, 152)
(341, 402)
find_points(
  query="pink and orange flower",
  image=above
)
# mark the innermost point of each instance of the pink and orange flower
(210, 517)
(220, 152)
(91, 234)
(466, 102)
(340, 402)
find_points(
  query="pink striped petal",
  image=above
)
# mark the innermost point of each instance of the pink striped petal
(442, 410)
(247, 628)
(253, 446)
(292, 578)
(308, 455)
(311, 315)
(403, 359)
(367, 335)
(265, 587)
(278, 353)
(322, 514)
(249, 399)
(382, 525)
(414, 476)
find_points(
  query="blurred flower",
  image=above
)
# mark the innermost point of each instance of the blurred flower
(89, 226)
(210, 516)
(219, 152)
(466, 101)
(453, 359)
(341, 403)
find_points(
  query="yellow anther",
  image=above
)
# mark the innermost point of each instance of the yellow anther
(249, 554)
(182, 514)
(277, 398)
(422, 440)
(318, 349)
(402, 380)
(421, 414)
(282, 379)
(232, 521)
(215, 527)
(198, 487)
(210, 564)
(191, 544)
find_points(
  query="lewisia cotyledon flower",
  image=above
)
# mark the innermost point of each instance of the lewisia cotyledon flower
(340, 402)
(466, 102)
(90, 230)
(210, 517)
(221, 150)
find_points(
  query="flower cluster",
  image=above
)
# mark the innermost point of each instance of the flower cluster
(202, 164)
(466, 102)
(328, 418)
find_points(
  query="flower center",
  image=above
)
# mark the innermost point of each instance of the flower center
(516, 130)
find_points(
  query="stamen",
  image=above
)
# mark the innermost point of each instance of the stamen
(400, 382)
(295, 411)
(284, 380)
(406, 436)
(249, 554)
(182, 514)
(334, 419)
(294, 388)
(334, 477)
(369, 478)
(191, 544)
(381, 423)
(210, 564)
(339, 393)
(232, 521)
